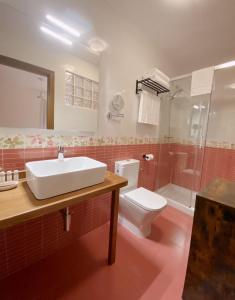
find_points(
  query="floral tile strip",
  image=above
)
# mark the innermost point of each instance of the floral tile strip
(50, 140)
(12, 142)
(45, 140)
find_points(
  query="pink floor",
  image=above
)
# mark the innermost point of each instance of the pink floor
(152, 268)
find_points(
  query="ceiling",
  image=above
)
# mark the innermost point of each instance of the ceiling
(191, 34)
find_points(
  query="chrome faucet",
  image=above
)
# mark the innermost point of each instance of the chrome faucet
(60, 152)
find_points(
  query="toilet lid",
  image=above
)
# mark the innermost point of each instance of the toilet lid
(146, 199)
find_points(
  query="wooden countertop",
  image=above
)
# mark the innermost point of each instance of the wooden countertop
(19, 205)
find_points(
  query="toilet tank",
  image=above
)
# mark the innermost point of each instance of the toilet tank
(129, 169)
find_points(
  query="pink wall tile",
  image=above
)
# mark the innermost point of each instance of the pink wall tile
(31, 241)
(1, 159)
(32, 154)
(3, 257)
(13, 159)
(15, 248)
(50, 153)
(205, 163)
(218, 162)
(164, 165)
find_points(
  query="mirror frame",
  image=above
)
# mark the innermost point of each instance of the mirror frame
(12, 62)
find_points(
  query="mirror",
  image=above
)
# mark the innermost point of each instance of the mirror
(44, 82)
(95, 53)
(27, 95)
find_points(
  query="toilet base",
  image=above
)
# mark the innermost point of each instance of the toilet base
(143, 231)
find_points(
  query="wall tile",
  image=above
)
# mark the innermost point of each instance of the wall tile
(13, 159)
(3, 255)
(31, 241)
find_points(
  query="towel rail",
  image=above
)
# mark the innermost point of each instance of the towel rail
(153, 85)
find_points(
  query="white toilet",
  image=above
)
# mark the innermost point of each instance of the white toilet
(138, 206)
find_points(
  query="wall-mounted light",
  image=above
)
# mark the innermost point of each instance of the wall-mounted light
(63, 26)
(56, 35)
(196, 106)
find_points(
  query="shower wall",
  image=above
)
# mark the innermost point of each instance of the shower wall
(198, 134)
(219, 160)
(183, 130)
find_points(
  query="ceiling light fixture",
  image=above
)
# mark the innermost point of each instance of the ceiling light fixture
(225, 65)
(63, 26)
(97, 45)
(56, 35)
(196, 106)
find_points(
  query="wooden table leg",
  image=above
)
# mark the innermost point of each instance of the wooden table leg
(113, 226)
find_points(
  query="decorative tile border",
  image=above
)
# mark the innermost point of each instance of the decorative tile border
(224, 145)
(11, 141)
(210, 143)
(49, 140)
(18, 141)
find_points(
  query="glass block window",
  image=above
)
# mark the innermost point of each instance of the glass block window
(81, 91)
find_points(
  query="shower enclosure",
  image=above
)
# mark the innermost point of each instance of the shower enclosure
(183, 129)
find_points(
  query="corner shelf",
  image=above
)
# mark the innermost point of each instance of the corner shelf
(153, 85)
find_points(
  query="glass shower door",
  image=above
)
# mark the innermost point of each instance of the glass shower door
(183, 128)
(198, 134)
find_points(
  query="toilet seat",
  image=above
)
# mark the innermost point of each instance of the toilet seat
(146, 199)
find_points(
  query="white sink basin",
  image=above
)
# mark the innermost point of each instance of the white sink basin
(48, 178)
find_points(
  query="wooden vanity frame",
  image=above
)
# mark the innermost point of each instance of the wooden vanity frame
(21, 65)
(20, 205)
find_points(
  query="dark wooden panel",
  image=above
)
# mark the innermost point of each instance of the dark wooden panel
(211, 266)
(113, 226)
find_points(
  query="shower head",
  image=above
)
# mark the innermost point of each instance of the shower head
(175, 92)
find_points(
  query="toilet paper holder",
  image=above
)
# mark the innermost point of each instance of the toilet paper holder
(148, 156)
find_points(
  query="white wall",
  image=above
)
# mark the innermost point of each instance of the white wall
(129, 55)
(124, 62)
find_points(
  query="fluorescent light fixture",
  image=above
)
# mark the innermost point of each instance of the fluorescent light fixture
(226, 65)
(56, 35)
(62, 25)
